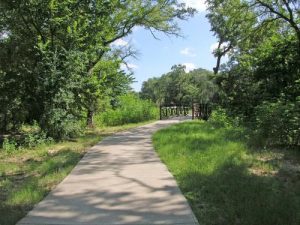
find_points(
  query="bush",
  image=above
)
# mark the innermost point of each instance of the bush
(220, 118)
(278, 123)
(59, 124)
(28, 141)
(9, 145)
(30, 136)
(130, 109)
(34, 139)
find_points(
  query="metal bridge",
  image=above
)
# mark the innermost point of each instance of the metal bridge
(196, 111)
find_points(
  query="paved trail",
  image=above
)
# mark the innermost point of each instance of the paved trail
(120, 181)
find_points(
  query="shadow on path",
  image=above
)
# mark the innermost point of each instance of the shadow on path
(119, 181)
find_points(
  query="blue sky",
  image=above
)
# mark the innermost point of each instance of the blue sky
(156, 57)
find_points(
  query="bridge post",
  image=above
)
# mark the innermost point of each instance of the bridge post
(160, 112)
(193, 111)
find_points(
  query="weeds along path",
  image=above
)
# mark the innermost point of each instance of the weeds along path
(121, 180)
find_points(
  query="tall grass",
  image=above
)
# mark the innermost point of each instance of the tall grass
(130, 109)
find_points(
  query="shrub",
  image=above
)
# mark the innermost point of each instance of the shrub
(59, 124)
(9, 145)
(278, 123)
(130, 109)
(220, 118)
(30, 136)
(34, 139)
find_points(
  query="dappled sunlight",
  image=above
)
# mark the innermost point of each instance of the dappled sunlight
(120, 180)
(26, 176)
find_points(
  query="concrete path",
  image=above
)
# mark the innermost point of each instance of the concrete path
(119, 181)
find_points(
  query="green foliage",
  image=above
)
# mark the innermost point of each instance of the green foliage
(27, 176)
(36, 139)
(26, 140)
(278, 123)
(62, 82)
(30, 136)
(260, 82)
(9, 145)
(57, 61)
(180, 88)
(130, 109)
(61, 125)
(266, 98)
(220, 118)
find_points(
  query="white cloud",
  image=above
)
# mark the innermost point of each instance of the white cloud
(188, 52)
(120, 43)
(197, 4)
(189, 67)
(130, 66)
(215, 46)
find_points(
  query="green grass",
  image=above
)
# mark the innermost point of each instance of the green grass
(27, 175)
(225, 181)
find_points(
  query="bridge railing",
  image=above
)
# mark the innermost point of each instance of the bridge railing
(201, 111)
(197, 111)
(173, 111)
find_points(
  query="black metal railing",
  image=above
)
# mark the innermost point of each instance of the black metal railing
(173, 111)
(201, 111)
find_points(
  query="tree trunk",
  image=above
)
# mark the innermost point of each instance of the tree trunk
(220, 55)
(216, 69)
(90, 119)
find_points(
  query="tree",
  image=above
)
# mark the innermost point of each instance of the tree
(54, 48)
(239, 24)
(180, 88)
(199, 87)
(262, 75)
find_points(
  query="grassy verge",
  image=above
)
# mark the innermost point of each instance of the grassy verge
(225, 181)
(26, 176)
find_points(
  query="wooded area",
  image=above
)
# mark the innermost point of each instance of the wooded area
(260, 84)
(180, 88)
(58, 65)
(63, 88)
(57, 59)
